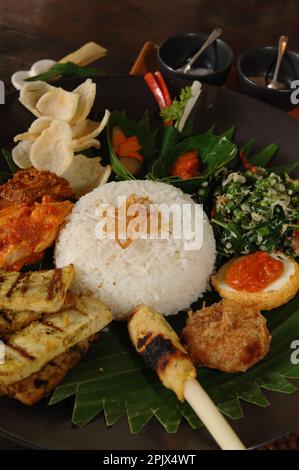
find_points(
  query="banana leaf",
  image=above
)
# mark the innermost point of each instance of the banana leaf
(264, 156)
(283, 169)
(114, 381)
(214, 152)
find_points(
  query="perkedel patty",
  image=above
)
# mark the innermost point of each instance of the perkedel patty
(227, 336)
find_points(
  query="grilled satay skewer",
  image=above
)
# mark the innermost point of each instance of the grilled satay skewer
(160, 347)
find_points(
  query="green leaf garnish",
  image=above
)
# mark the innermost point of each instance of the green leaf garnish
(69, 69)
(175, 111)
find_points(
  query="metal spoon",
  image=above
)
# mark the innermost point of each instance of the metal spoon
(282, 45)
(213, 36)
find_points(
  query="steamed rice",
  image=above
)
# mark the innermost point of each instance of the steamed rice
(159, 273)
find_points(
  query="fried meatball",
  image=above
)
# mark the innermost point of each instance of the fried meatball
(227, 336)
(29, 186)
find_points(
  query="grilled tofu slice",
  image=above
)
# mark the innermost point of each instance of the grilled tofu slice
(11, 321)
(28, 350)
(160, 347)
(40, 384)
(38, 291)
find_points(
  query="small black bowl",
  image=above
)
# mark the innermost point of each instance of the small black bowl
(260, 62)
(175, 51)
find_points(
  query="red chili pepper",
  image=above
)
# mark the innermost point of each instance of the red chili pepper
(246, 163)
(164, 89)
(159, 90)
(155, 89)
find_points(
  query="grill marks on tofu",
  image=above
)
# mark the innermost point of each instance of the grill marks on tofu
(11, 321)
(40, 291)
(29, 349)
(45, 330)
(40, 384)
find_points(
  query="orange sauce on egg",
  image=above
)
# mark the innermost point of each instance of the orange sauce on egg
(254, 272)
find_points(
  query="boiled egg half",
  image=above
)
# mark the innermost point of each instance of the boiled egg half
(264, 280)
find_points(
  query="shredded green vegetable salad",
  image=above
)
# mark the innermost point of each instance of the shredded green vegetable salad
(255, 212)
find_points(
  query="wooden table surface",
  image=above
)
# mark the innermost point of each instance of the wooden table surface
(36, 29)
(33, 29)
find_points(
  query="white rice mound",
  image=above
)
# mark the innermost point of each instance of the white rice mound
(159, 273)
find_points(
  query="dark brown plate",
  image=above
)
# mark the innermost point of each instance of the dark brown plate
(50, 427)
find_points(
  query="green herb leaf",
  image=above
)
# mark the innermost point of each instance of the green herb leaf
(69, 69)
(175, 111)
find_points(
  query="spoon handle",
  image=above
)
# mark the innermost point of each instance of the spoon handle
(282, 45)
(213, 36)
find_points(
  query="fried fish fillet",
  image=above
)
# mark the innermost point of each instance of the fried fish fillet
(29, 186)
(40, 384)
(37, 291)
(11, 321)
(27, 351)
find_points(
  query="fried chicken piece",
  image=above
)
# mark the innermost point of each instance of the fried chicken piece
(29, 186)
(227, 336)
(27, 230)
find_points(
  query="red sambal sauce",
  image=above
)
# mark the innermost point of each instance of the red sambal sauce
(187, 165)
(30, 227)
(254, 272)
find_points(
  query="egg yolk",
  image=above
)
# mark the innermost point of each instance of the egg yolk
(254, 272)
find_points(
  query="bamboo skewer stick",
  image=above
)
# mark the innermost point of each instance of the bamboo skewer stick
(211, 417)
